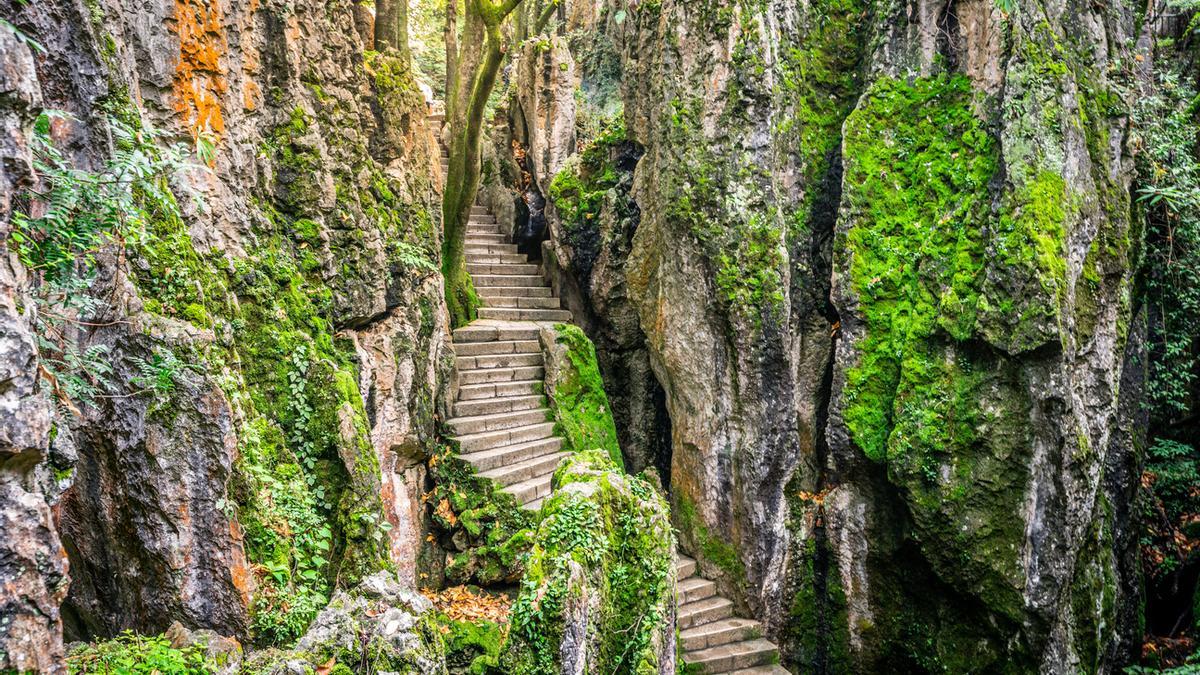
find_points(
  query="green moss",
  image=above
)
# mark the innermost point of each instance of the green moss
(919, 161)
(715, 550)
(472, 647)
(615, 531)
(581, 409)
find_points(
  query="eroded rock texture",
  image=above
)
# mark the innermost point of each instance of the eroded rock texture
(880, 265)
(297, 298)
(32, 565)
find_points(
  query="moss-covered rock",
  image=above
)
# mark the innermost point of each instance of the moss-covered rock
(576, 391)
(599, 582)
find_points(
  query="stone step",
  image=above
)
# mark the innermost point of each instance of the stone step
(476, 209)
(684, 566)
(483, 229)
(490, 248)
(476, 392)
(514, 291)
(498, 347)
(526, 470)
(733, 656)
(492, 406)
(535, 505)
(511, 268)
(508, 314)
(496, 259)
(704, 611)
(534, 489)
(486, 460)
(772, 669)
(508, 280)
(484, 375)
(486, 333)
(481, 219)
(489, 440)
(464, 426)
(522, 302)
(475, 239)
(719, 633)
(511, 360)
(695, 588)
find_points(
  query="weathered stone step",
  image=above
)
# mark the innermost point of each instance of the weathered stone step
(486, 333)
(772, 669)
(476, 209)
(498, 347)
(514, 291)
(508, 280)
(531, 490)
(684, 566)
(704, 611)
(511, 268)
(475, 392)
(511, 360)
(522, 302)
(483, 375)
(481, 219)
(490, 248)
(489, 440)
(509, 314)
(483, 229)
(718, 633)
(695, 588)
(733, 656)
(500, 259)
(473, 239)
(463, 426)
(492, 406)
(495, 458)
(536, 504)
(525, 470)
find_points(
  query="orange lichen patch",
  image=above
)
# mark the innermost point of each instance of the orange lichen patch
(239, 570)
(460, 603)
(200, 80)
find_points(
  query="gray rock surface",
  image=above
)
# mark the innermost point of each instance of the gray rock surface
(32, 564)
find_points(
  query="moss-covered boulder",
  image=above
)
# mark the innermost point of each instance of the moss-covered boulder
(598, 594)
(377, 627)
(582, 413)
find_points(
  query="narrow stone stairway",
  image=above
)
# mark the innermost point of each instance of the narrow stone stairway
(501, 422)
(506, 431)
(713, 639)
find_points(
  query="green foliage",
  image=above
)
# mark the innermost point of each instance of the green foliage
(130, 654)
(59, 227)
(1169, 189)
(615, 532)
(496, 527)
(581, 409)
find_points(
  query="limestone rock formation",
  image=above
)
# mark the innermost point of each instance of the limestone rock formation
(32, 565)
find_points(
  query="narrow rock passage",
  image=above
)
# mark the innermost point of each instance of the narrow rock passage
(506, 431)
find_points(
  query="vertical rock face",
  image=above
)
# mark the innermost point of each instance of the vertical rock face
(982, 277)
(298, 298)
(32, 565)
(880, 263)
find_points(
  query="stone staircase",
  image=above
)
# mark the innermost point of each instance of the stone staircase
(506, 432)
(713, 639)
(501, 422)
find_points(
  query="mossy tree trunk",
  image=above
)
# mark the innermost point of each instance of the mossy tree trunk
(476, 66)
(391, 26)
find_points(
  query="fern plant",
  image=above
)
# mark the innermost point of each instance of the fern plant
(60, 225)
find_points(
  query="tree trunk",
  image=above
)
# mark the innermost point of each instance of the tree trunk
(477, 65)
(391, 26)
